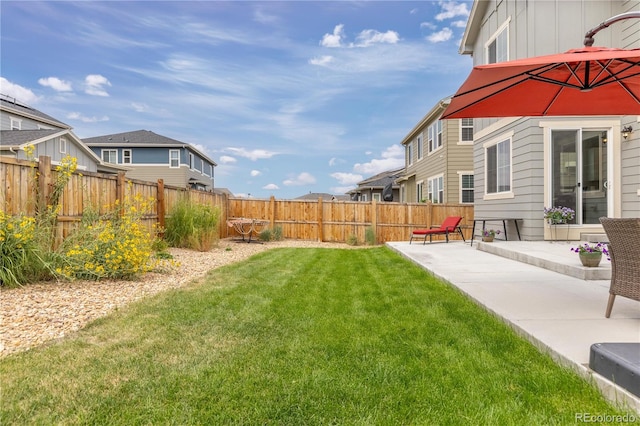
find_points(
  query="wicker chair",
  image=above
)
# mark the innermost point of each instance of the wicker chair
(624, 250)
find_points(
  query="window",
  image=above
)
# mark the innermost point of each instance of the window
(403, 193)
(174, 158)
(435, 136)
(498, 167)
(16, 124)
(126, 156)
(419, 191)
(436, 189)
(497, 49)
(410, 153)
(191, 161)
(466, 187)
(376, 196)
(110, 156)
(466, 130)
(364, 197)
(419, 146)
(62, 146)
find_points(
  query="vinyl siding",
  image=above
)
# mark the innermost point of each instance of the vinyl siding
(50, 149)
(26, 123)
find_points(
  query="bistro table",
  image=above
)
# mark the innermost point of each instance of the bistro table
(504, 221)
(247, 227)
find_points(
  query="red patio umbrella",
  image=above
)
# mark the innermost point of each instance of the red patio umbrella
(585, 81)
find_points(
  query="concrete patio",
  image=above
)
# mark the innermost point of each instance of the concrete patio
(543, 292)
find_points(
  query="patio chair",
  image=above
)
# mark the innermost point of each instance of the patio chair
(450, 224)
(624, 251)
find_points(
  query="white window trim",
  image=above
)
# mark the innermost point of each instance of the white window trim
(436, 148)
(460, 141)
(376, 196)
(506, 194)
(62, 146)
(420, 191)
(410, 153)
(17, 121)
(192, 161)
(124, 156)
(460, 188)
(435, 178)
(178, 158)
(102, 151)
(494, 36)
(420, 146)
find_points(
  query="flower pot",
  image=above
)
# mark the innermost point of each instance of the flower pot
(590, 259)
(488, 239)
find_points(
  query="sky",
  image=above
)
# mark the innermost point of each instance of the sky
(287, 97)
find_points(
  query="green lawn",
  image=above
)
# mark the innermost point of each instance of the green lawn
(297, 336)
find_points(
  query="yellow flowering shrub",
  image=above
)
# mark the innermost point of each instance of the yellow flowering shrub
(18, 248)
(113, 246)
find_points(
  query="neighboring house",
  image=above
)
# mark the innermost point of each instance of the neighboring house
(524, 164)
(150, 157)
(381, 187)
(325, 197)
(22, 126)
(438, 160)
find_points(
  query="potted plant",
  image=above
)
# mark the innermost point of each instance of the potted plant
(591, 254)
(555, 215)
(489, 234)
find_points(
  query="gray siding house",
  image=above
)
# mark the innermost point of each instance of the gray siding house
(524, 164)
(22, 126)
(376, 187)
(438, 160)
(150, 157)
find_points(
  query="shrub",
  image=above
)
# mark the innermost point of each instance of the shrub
(370, 236)
(352, 240)
(116, 245)
(20, 255)
(269, 234)
(192, 225)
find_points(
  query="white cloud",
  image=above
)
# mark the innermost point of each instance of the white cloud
(335, 161)
(392, 158)
(347, 178)
(451, 9)
(255, 173)
(271, 186)
(333, 40)
(303, 178)
(253, 155)
(84, 119)
(459, 24)
(259, 15)
(322, 60)
(18, 92)
(440, 36)
(225, 159)
(428, 25)
(139, 107)
(369, 37)
(95, 85)
(341, 189)
(56, 84)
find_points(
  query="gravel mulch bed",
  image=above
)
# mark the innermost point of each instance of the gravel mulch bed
(37, 313)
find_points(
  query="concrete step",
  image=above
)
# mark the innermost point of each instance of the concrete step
(560, 259)
(594, 238)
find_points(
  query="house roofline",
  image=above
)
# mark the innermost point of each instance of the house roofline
(38, 118)
(437, 109)
(474, 23)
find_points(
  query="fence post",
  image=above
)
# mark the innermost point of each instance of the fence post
(374, 218)
(272, 212)
(120, 190)
(320, 224)
(160, 208)
(44, 182)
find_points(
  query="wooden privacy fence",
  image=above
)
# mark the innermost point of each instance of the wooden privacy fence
(337, 221)
(26, 185)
